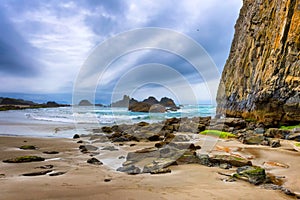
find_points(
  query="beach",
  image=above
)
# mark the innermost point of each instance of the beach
(85, 181)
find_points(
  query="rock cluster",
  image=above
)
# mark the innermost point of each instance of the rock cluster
(151, 104)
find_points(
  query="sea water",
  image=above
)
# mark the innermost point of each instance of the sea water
(66, 121)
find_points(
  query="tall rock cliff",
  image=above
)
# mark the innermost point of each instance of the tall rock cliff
(261, 78)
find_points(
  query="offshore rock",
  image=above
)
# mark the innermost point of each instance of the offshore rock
(261, 78)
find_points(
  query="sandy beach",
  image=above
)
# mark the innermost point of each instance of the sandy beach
(86, 181)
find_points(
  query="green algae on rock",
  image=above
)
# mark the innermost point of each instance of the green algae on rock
(23, 159)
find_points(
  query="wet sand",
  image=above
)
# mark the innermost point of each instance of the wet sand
(86, 181)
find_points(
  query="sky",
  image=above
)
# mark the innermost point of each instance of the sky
(44, 45)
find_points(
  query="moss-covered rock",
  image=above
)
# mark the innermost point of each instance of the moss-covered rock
(254, 174)
(232, 160)
(23, 159)
(28, 147)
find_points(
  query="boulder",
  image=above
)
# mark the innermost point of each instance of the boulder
(277, 133)
(158, 164)
(253, 139)
(94, 161)
(294, 136)
(259, 130)
(23, 159)
(188, 157)
(76, 136)
(106, 129)
(274, 143)
(254, 175)
(232, 160)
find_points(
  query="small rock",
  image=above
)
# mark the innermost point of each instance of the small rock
(107, 180)
(23, 159)
(160, 144)
(130, 169)
(225, 166)
(28, 147)
(110, 148)
(50, 152)
(161, 171)
(253, 139)
(294, 136)
(121, 157)
(94, 161)
(277, 133)
(37, 173)
(2, 175)
(106, 129)
(275, 143)
(86, 148)
(154, 138)
(76, 136)
(142, 124)
(278, 187)
(205, 160)
(259, 130)
(80, 141)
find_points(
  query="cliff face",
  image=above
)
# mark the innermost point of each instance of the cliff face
(261, 78)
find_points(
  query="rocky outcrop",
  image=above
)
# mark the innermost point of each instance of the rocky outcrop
(261, 78)
(125, 102)
(19, 104)
(151, 104)
(85, 103)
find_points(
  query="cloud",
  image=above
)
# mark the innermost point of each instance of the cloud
(17, 57)
(49, 41)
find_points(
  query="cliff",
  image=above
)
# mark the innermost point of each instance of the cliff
(261, 78)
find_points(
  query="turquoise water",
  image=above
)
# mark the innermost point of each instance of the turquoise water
(66, 121)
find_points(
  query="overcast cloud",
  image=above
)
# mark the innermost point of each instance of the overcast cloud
(43, 44)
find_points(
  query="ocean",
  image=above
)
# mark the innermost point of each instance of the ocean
(66, 121)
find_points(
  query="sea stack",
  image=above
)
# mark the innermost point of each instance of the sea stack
(261, 78)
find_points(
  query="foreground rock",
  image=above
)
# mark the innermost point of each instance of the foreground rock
(28, 147)
(40, 173)
(94, 161)
(130, 169)
(232, 160)
(253, 174)
(23, 159)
